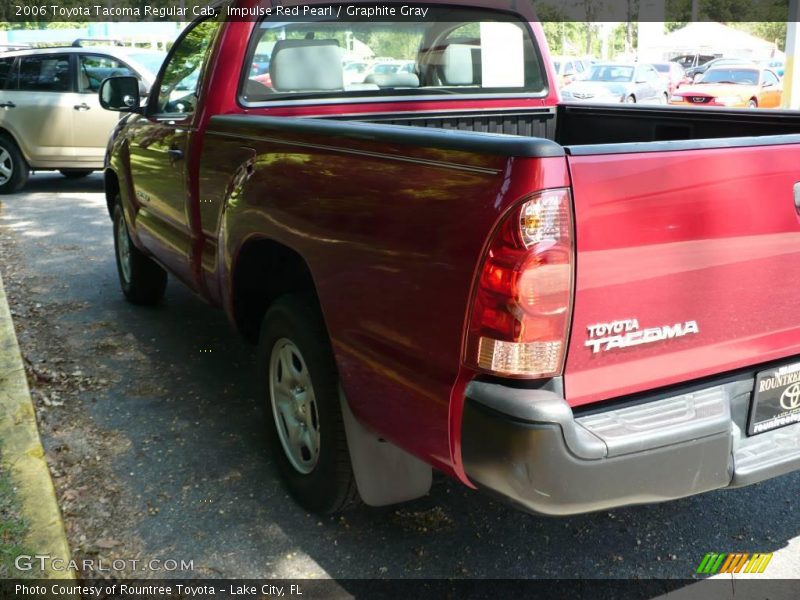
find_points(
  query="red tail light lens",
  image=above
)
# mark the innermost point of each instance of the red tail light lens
(523, 298)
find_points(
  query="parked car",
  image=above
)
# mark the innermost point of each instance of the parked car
(390, 68)
(672, 73)
(611, 82)
(696, 72)
(750, 87)
(569, 69)
(356, 71)
(689, 61)
(573, 317)
(778, 65)
(50, 116)
(261, 58)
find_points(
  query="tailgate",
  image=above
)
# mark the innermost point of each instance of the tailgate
(688, 265)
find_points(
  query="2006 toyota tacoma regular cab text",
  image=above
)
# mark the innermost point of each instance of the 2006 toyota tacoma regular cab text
(573, 307)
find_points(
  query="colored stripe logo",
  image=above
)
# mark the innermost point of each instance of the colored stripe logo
(736, 562)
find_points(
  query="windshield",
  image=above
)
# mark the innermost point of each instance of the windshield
(460, 51)
(150, 60)
(739, 76)
(610, 73)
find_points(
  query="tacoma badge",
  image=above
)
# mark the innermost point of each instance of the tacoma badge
(624, 333)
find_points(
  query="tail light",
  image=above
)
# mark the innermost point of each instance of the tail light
(523, 298)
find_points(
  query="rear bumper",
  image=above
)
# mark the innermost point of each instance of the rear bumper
(529, 447)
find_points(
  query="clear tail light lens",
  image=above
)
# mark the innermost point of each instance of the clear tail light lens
(523, 298)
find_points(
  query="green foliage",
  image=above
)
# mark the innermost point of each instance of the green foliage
(12, 528)
(769, 31)
(728, 11)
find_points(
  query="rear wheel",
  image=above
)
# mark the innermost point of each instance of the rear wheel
(13, 168)
(75, 173)
(301, 388)
(664, 98)
(753, 103)
(141, 279)
(630, 99)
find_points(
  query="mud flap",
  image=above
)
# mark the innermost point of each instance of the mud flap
(384, 473)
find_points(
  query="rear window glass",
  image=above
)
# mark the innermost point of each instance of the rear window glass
(455, 51)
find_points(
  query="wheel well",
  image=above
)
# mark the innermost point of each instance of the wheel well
(112, 189)
(265, 271)
(9, 135)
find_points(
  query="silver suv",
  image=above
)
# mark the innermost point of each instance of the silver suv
(50, 115)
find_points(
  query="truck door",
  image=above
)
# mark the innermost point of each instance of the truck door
(159, 153)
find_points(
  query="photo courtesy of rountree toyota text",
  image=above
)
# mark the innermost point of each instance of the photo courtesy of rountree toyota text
(399, 299)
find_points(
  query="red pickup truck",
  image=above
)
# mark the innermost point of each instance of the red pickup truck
(574, 307)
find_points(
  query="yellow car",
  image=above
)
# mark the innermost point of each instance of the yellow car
(734, 87)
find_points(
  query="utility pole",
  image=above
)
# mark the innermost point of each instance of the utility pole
(791, 75)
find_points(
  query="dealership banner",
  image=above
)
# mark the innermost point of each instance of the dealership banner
(408, 589)
(40, 11)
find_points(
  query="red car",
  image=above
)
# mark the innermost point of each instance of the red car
(673, 73)
(597, 308)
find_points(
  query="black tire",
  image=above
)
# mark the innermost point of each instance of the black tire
(11, 159)
(141, 279)
(329, 487)
(665, 99)
(76, 173)
(630, 99)
(753, 103)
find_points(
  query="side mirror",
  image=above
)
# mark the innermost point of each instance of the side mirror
(120, 94)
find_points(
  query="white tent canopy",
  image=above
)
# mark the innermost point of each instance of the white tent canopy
(712, 38)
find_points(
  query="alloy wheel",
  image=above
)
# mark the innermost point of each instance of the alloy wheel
(294, 406)
(6, 166)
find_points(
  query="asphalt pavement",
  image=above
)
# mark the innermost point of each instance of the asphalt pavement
(187, 453)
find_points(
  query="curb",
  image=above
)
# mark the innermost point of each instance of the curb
(23, 454)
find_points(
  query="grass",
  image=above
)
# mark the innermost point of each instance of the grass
(12, 527)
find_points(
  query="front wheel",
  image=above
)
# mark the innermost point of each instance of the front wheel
(301, 388)
(664, 99)
(141, 279)
(13, 168)
(630, 100)
(752, 104)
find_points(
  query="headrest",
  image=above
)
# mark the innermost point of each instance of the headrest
(306, 66)
(390, 80)
(459, 65)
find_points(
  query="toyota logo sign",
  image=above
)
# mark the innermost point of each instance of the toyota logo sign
(790, 398)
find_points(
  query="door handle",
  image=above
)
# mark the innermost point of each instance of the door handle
(82, 106)
(7, 105)
(175, 153)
